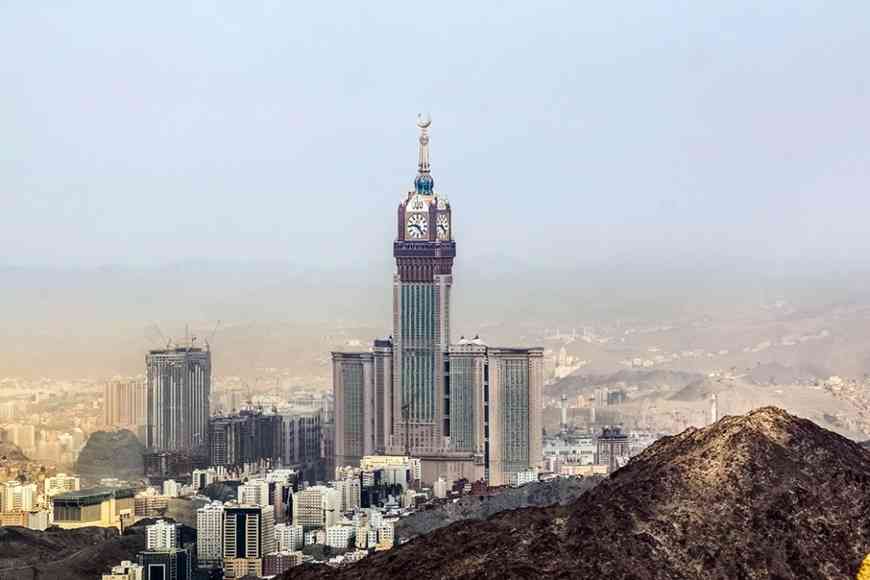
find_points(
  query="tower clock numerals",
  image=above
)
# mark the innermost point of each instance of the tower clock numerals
(443, 225)
(418, 226)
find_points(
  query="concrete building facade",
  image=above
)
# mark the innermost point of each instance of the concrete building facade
(178, 391)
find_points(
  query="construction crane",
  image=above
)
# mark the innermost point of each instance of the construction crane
(210, 338)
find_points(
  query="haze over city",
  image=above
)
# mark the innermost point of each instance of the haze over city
(601, 158)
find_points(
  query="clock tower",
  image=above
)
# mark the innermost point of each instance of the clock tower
(424, 250)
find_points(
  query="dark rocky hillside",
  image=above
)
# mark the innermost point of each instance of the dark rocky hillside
(55, 554)
(83, 554)
(11, 452)
(761, 496)
(473, 507)
(111, 454)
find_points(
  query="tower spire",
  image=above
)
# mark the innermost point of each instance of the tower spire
(424, 183)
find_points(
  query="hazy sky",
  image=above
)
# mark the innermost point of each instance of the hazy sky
(152, 133)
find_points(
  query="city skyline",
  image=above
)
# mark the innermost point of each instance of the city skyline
(612, 320)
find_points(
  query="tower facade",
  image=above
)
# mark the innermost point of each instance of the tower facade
(249, 534)
(424, 251)
(353, 382)
(495, 407)
(178, 390)
(513, 412)
(464, 411)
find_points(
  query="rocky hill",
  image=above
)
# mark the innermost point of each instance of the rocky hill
(472, 507)
(11, 452)
(83, 554)
(760, 496)
(111, 454)
(56, 554)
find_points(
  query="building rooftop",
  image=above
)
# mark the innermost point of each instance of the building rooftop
(177, 350)
(94, 493)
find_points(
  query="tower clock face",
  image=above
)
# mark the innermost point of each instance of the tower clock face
(443, 224)
(418, 226)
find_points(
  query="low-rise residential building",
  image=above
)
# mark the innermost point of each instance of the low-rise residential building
(162, 535)
(279, 562)
(339, 537)
(126, 570)
(289, 537)
(61, 483)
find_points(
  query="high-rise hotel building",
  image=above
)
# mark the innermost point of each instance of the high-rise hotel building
(178, 386)
(404, 396)
(125, 404)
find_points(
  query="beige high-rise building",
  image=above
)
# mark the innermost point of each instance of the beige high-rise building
(249, 534)
(125, 405)
(353, 384)
(496, 407)
(514, 404)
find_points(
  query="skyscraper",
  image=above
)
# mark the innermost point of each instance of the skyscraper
(495, 407)
(512, 410)
(354, 404)
(407, 395)
(178, 390)
(424, 251)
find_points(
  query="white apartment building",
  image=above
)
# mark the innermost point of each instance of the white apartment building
(349, 493)
(254, 492)
(440, 487)
(18, 497)
(316, 507)
(366, 537)
(339, 537)
(162, 535)
(386, 535)
(289, 538)
(523, 477)
(126, 570)
(61, 483)
(210, 535)
(202, 478)
(170, 488)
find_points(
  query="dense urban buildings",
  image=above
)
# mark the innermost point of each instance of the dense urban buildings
(178, 390)
(291, 439)
(404, 398)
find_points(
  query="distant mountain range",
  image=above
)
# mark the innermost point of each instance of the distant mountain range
(72, 322)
